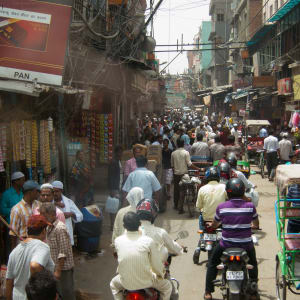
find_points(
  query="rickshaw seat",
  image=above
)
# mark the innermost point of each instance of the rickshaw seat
(292, 242)
(293, 212)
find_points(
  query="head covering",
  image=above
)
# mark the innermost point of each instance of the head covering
(46, 186)
(37, 221)
(285, 134)
(58, 185)
(30, 185)
(235, 125)
(17, 175)
(134, 196)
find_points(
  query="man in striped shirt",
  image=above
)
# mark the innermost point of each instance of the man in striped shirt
(235, 216)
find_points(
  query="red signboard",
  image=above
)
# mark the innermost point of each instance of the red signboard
(284, 86)
(33, 39)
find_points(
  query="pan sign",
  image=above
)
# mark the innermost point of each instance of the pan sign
(33, 39)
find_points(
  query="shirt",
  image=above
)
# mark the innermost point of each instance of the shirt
(165, 244)
(263, 132)
(286, 149)
(9, 199)
(18, 267)
(200, 149)
(130, 166)
(60, 244)
(209, 197)
(19, 216)
(180, 161)
(236, 216)
(70, 206)
(271, 144)
(166, 158)
(217, 151)
(294, 193)
(144, 179)
(138, 259)
(235, 133)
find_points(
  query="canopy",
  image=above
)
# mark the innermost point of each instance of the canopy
(286, 175)
(286, 8)
(257, 123)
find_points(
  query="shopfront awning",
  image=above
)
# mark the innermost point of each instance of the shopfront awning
(286, 8)
(260, 34)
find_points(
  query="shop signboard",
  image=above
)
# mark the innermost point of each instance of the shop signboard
(284, 86)
(296, 87)
(263, 81)
(33, 39)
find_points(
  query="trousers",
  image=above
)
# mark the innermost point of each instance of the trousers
(162, 285)
(178, 201)
(65, 285)
(272, 163)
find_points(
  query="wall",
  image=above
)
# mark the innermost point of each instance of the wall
(206, 56)
(271, 5)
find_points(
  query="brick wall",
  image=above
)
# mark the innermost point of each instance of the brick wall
(255, 17)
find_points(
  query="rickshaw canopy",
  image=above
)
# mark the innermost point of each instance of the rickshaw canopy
(287, 175)
(257, 123)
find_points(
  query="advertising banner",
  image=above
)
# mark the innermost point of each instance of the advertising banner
(33, 39)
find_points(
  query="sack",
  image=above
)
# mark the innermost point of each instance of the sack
(112, 205)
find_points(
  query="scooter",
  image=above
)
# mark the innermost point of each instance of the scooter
(153, 294)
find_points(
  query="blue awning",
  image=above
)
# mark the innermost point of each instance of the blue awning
(260, 34)
(286, 8)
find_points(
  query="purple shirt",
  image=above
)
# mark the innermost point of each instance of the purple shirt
(236, 216)
(130, 166)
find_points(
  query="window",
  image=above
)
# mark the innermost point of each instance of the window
(220, 17)
(276, 5)
(281, 2)
(271, 10)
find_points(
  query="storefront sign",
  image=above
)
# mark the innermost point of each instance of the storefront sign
(284, 86)
(263, 81)
(33, 39)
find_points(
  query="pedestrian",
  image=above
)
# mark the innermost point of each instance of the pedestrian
(200, 130)
(30, 256)
(68, 207)
(285, 148)
(200, 150)
(180, 162)
(41, 286)
(59, 242)
(10, 198)
(263, 132)
(271, 146)
(235, 133)
(158, 141)
(167, 168)
(217, 150)
(143, 178)
(130, 164)
(21, 212)
(232, 147)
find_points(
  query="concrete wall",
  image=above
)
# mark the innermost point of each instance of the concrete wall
(270, 8)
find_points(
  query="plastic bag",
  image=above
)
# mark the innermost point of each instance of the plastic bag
(112, 205)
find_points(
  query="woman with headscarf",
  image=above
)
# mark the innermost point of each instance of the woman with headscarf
(134, 196)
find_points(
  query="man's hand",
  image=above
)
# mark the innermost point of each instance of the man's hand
(69, 215)
(57, 274)
(60, 204)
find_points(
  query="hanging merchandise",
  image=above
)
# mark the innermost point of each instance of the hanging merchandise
(22, 140)
(4, 141)
(296, 119)
(34, 143)
(50, 124)
(106, 137)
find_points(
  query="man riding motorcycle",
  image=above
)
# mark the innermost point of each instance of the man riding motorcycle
(236, 216)
(225, 172)
(147, 211)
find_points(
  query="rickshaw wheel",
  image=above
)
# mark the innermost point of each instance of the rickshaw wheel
(281, 285)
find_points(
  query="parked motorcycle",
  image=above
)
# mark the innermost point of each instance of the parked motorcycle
(207, 240)
(153, 294)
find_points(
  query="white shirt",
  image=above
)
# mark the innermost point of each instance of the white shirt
(286, 149)
(208, 128)
(139, 260)
(235, 133)
(180, 161)
(164, 242)
(271, 144)
(200, 149)
(247, 183)
(70, 206)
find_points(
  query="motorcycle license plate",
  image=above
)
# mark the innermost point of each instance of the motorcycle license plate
(210, 237)
(234, 275)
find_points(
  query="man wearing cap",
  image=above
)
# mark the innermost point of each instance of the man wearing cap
(10, 198)
(30, 256)
(47, 196)
(21, 212)
(68, 207)
(235, 133)
(61, 251)
(285, 148)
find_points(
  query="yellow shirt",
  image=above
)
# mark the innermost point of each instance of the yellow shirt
(209, 197)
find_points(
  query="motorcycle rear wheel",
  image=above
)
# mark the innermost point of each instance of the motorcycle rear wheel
(234, 296)
(196, 256)
(189, 200)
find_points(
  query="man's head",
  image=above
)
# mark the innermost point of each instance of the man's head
(36, 226)
(137, 151)
(141, 161)
(201, 125)
(235, 126)
(48, 210)
(166, 143)
(160, 139)
(41, 285)
(18, 179)
(217, 139)
(231, 139)
(285, 135)
(180, 143)
(31, 190)
(46, 193)
(131, 221)
(58, 188)
(199, 137)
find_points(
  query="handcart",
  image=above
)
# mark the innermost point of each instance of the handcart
(288, 258)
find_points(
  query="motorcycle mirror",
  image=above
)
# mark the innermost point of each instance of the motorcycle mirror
(182, 235)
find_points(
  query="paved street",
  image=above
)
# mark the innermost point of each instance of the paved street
(94, 276)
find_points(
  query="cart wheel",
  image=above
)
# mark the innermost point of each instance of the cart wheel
(280, 282)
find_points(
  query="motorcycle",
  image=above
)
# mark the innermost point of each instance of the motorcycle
(207, 241)
(153, 294)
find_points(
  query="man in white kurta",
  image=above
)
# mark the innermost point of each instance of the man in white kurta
(69, 208)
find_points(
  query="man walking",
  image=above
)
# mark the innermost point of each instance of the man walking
(285, 148)
(68, 207)
(200, 150)
(30, 256)
(61, 251)
(217, 150)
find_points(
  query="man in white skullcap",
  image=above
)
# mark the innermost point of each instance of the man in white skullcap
(69, 208)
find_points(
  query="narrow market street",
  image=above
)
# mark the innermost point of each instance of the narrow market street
(94, 275)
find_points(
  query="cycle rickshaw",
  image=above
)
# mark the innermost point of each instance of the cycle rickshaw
(288, 258)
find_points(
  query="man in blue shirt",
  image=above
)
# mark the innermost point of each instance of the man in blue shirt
(144, 179)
